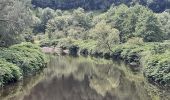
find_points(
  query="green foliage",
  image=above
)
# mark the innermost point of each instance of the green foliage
(157, 70)
(28, 57)
(164, 19)
(159, 48)
(129, 31)
(120, 23)
(155, 5)
(13, 21)
(81, 18)
(117, 16)
(56, 28)
(105, 35)
(86, 44)
(135, 40)
(149, 28)
(65, 42)
(41, 17)
(46, 43)
(135, 21)
(73, 25)
(9, 72)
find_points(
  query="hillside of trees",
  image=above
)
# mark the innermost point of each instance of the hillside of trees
(135, 34)
(155, 5)
(128, 22)
(19, 24)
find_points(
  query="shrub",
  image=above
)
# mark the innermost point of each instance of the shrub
(26, 55)
(158, 69)
(159, 48)
(29, 38)
(135, 40)
(9, 72)
(47, 43)
(73, 50)
(116, 52)
(65, 42)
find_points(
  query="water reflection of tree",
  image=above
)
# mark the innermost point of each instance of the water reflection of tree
(17, 91)
(104, 77)
(68, 78)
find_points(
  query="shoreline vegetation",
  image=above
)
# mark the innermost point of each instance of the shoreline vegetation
(134, 34)
(19, 61)
(152, 57)
(137, 32)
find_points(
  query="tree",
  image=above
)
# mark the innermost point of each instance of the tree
(164, 19)
(136, 21)
(44, 15)
(73, 24)
(14, 20)
(82, 19)
(105, 35)
(58, 26)
(155, 5)
(117, 17)
(149, 28)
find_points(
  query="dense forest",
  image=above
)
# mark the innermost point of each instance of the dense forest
(155, 5)
(135, 31)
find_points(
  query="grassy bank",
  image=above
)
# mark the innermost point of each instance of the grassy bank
(20, 60)
(153, 56)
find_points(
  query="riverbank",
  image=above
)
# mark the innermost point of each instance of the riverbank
(20, 60)
(103, 77)
(153, 57)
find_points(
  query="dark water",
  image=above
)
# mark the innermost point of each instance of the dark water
(68, 78)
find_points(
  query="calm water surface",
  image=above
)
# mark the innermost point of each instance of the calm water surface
(70, 78)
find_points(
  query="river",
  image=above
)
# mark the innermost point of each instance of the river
(83, 78)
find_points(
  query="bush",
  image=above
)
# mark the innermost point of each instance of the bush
(84, 52)
(73, 50)
(135, 40)
(130, 53)
(65, 42)
(48, 43)
(29, 38)
(26, 55)
(116, 52)
(160, 48)
(9, 72)
(158, 69)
